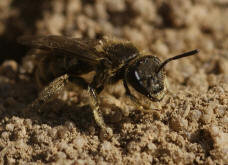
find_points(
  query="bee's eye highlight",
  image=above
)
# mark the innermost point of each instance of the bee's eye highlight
(137, 75)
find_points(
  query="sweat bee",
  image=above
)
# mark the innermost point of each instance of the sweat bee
(112, 60)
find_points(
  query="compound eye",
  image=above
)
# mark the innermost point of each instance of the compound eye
(142, 81)
(137, 76)
(137, 80)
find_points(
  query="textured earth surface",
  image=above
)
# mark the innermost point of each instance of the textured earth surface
(191, 127)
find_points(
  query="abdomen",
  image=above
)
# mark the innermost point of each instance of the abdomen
(50, 66)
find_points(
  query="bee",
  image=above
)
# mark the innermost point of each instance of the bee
(112, 60)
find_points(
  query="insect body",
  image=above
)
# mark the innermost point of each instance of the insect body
(112, 60)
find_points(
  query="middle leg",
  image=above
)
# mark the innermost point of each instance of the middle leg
(94, 103)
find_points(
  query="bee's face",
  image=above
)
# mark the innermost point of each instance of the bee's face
(143, 77)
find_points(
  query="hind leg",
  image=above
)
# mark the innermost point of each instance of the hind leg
(55, 87)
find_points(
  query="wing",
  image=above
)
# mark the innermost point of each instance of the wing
(83, 49)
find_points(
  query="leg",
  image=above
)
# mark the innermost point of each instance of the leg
(135, 100)
(49, 92)
(54, 88)
(95, 107)
(94, 98)
(94, 89)
(107, 132)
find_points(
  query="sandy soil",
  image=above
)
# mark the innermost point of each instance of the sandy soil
(191, 128)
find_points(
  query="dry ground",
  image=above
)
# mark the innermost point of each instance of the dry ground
(191, 128)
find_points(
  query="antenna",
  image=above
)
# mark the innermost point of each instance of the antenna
(186, 54)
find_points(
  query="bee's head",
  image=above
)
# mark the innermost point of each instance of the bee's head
(147, 76)
(143, 78)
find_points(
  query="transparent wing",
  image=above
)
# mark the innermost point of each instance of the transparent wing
(83, 49)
